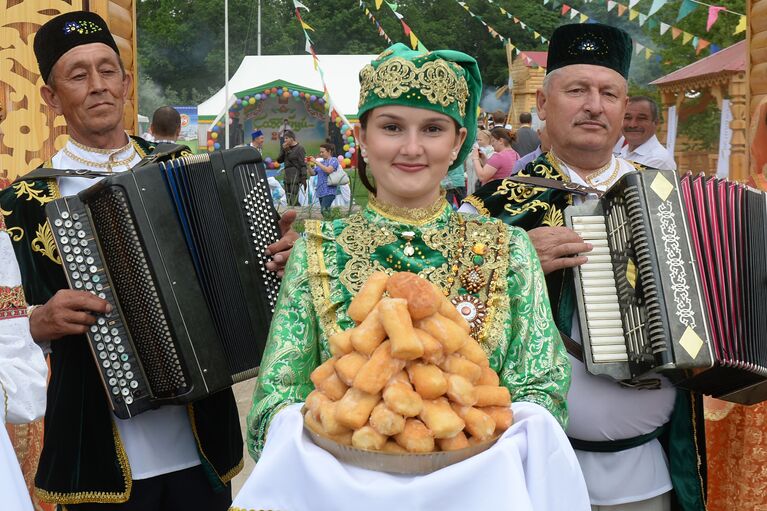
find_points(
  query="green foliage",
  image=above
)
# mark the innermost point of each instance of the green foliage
(181, 42)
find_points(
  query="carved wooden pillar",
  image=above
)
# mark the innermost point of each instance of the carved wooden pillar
(738, 147)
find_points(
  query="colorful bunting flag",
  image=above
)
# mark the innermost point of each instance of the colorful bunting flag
(686, 8)
(611, 5)
(686, 37)
(565, 8)
(713, 15)
(621, 9)
(656, 5)
(664, 28)
(741, 26)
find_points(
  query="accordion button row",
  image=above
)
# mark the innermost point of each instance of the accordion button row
(84, 267)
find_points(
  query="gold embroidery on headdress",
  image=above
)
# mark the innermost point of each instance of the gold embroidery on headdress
(435, 80)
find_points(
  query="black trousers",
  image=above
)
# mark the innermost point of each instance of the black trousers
(178, 491)
(292, 183)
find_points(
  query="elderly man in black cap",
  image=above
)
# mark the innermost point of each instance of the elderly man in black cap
(618, 432)
(174, 457)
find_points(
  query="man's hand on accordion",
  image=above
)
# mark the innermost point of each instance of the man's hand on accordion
(558, 247)
(67, 313)
(280, 250)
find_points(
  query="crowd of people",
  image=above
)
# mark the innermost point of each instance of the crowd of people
(444, 204)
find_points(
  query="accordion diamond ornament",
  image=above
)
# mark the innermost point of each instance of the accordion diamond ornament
(178, 249)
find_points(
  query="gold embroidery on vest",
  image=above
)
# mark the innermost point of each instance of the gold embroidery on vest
(45, 244)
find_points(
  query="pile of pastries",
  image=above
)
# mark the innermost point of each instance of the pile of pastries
(408, 378)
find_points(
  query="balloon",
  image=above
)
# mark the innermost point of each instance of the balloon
(267, 160)
(210, 147)
(347, 161)
(252, 101)
(275, 164)
(273, 94)
(346, 147)
(345, 128)
(352, 151)
(295, 93)
(217, 145)
(312, 98)
(348, 154)
(322, 101)
(215, 128)
(341, 162)
(350, 139)
(214, 136)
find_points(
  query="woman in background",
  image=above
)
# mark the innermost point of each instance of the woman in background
(501, 164)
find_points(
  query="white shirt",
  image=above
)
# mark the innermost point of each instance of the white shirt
(651, 153)
(23, 378)
(600, 409)
(157, 441)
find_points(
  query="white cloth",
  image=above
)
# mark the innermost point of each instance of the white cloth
(725, 141)
(307, 195)
(158, 441)
(651, 153)
(23, 375)
(532, 467)
(600, 409)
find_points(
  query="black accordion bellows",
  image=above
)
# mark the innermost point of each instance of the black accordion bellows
(177, 248)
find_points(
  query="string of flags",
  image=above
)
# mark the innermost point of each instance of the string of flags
(372, 18)
(415, 42)
(317, 67)
(697, 42)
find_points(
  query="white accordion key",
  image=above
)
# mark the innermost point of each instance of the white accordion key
(600, 293)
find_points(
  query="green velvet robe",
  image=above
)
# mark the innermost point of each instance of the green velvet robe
(329, 266)
(530, 207)
(83, 459)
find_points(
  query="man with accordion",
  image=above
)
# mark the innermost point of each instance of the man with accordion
(619, 432)
(171, 457)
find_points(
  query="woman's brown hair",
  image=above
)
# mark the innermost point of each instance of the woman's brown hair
(507, 136)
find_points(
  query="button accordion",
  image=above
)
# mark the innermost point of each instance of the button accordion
(675, 283)
(178, 249)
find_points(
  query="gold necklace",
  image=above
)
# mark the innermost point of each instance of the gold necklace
(607, 182)
(101, 151)
(109, 165)
(556, 161)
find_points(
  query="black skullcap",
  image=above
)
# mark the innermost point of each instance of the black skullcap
(67, 31)
(590, 43)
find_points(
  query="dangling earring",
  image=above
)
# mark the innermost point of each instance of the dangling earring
(364, 153)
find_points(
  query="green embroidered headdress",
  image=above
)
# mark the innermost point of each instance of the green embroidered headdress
(445, 81)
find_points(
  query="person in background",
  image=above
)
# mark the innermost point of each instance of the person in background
(501, 163)
(23, 375)
(257, 141)
(526, 140)
(454, 184)
(329, 164)
(542, 148)
(166, 125)
(640, 122)
(293, 155)
(282, 129)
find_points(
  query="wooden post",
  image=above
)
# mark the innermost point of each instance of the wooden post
(738, 150)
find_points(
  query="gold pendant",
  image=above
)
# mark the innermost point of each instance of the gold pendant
(408, 249)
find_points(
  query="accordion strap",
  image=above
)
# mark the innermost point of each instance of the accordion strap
(572, 347)
(555, 184)
(161, 153)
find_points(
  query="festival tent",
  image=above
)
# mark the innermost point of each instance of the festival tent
(253, 100)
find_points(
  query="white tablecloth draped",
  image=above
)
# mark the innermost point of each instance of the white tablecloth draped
(531, 468)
